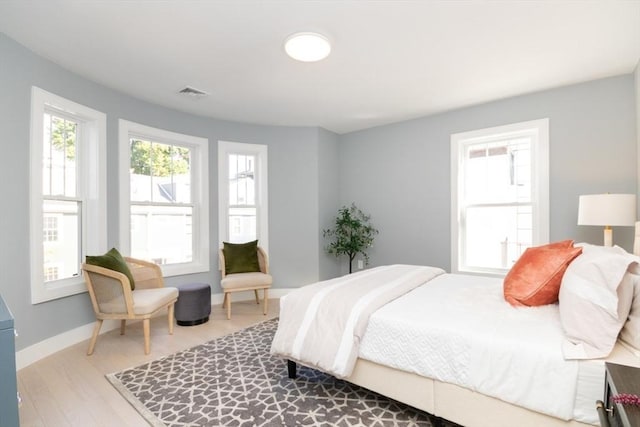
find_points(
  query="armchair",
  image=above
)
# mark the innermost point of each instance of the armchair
(254, 281)
(112, 297)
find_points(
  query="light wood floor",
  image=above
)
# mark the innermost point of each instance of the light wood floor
(68, 388)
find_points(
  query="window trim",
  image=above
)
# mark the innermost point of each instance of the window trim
(539, 183)
(262, 193)
(199, 188)
(92, 189)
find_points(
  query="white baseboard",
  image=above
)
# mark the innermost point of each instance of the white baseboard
(47, 347)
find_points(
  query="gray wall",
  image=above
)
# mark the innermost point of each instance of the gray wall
(294, 181)
(397, 173)
(329, 181)
(400, 173)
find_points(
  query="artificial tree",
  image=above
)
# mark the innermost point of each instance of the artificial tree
(352, 234)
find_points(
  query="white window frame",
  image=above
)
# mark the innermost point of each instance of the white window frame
(539, 129)
(92, 189)
(199, 191)
(260, 151)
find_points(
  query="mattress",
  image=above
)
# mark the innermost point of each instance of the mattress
(458, 329)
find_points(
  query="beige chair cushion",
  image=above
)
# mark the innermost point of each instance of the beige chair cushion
(246, 280)
(149, 300)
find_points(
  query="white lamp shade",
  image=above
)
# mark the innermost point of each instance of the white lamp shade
(607, 209)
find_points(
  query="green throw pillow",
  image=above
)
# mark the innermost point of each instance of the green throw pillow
(113, 261)
(241, 257)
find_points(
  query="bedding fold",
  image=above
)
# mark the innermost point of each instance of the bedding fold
(321, 325)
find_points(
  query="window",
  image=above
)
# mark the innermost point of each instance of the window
(68, 193)
(164, 190)
(242, 188)
(499, 195)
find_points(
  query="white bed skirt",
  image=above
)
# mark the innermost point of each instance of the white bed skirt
(455, 403)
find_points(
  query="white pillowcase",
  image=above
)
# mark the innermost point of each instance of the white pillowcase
(595, 300)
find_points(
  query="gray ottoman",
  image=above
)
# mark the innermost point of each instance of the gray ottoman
(194, 304)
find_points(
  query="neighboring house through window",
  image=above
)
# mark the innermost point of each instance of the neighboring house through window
(51, 273)
(242, 191)
(499, 195)
(50, 228)
(164, 202)
(67, 193)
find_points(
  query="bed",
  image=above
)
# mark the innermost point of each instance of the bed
(450, 345)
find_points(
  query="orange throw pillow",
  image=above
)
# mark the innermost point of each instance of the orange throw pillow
(536, 277)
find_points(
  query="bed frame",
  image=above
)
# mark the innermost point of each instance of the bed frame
(459, 404)
(455, 403)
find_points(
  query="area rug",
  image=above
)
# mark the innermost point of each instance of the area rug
(234, 381)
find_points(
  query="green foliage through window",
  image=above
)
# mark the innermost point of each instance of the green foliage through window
(63, 135)
(156, 159)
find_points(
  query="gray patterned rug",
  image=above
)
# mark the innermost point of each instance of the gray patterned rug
(234, 381)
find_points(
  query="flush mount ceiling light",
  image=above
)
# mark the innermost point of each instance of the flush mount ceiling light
(307, 47)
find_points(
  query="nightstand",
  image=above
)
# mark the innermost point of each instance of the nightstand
(619, 379)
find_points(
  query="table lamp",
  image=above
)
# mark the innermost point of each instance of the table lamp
(607, 210)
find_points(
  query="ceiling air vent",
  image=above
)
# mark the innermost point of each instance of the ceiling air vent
(193, 92)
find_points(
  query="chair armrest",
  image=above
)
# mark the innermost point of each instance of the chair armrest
(146, 274)
(263, 260)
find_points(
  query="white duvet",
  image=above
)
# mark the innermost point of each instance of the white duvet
(459, 329)
(321, 325)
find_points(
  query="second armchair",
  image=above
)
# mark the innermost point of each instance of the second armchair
(241, 272)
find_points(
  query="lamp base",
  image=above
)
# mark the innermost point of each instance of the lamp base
(608, 236)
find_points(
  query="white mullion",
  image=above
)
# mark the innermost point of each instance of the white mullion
(497, 205)
(50, 155)
(64, 158)
(150, 169)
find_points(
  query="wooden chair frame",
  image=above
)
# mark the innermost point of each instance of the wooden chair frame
(146, 275)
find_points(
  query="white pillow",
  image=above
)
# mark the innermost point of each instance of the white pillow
(630, 333)
(595, 299)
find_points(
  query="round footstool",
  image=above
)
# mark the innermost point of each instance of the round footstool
(194, 304)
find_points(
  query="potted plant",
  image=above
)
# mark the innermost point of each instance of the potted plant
(352, 234)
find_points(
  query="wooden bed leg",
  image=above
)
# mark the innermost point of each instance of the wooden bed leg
(291, 367)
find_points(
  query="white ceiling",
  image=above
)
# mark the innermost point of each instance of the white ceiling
(391, 60)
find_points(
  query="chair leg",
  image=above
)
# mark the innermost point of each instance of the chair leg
(224, 301)
(123, 323)
(171, 315)
(227, 297)
(266, 301)
(147, 338)
(255, 291)
(94, 337)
